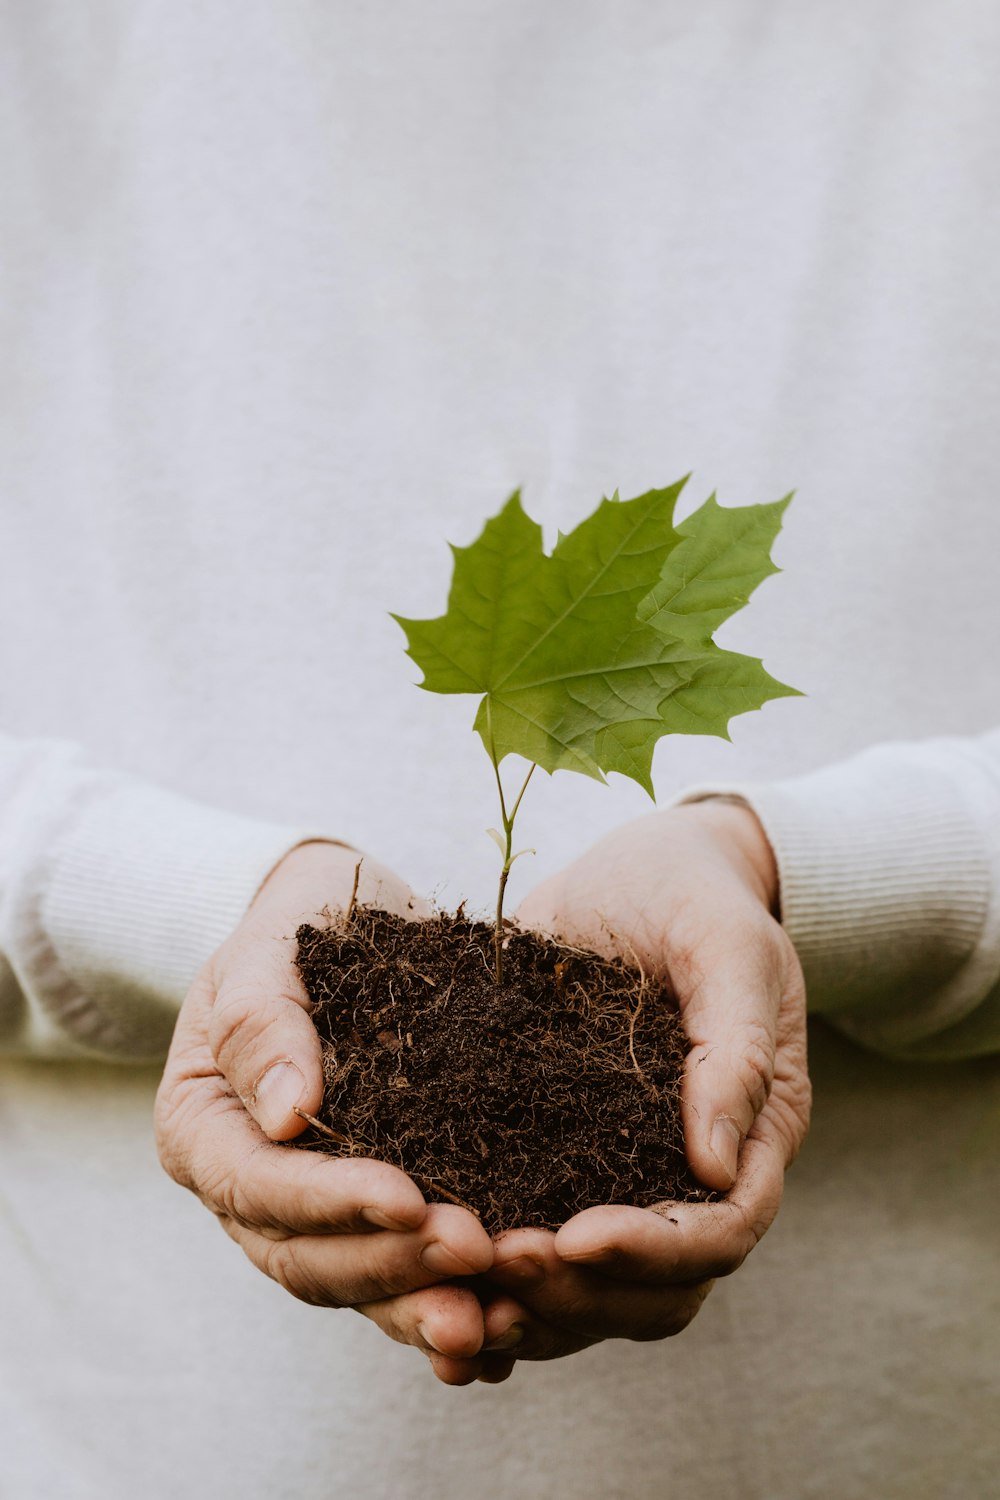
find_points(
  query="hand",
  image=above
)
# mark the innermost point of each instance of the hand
(691, 894)
(336, 1232)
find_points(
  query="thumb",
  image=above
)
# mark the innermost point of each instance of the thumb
(261, 1037)
(731, 1019)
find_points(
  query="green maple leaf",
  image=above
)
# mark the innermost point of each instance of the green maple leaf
(723, 555)
(553, 641)
(585, 657)
(725, 552)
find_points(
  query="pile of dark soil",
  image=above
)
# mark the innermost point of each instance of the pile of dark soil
(525, 1102)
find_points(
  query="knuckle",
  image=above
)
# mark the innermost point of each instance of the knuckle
(731, 1263)
(676, 1315)
(174, 1162)
(580, 1315)
(790, 1107)
(203, 1169)
(757, 1228)
(756, 1219)
(802, 1101)
(168, 1148)
(284, 1264)
(754, 1064)
(573, 1314)
(397, 1324)
(175, 1116)
(212, 1182)
(742, 1235)
(798, 1112)
(231, 1185)
(549, 1343)
(386, 1275)
(790, 1125)
(664, 1327)
(243, 1024)
(730, 1260)
(233, 1009)
(237, 1200)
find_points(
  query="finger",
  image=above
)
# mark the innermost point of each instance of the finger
(437, 1320)
(511, 1328)
(496, 1368)
(585, 1308)
(308, 1192)
(209, 1143)
(490, 1369)
(590, 1306)
(345, 1270)
(261, 1037)
(457, 1371)
(504, 1323)
(730, 995)
(259, 1030)
(680, 1242)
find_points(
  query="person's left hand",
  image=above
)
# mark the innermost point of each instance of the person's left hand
(690, 894)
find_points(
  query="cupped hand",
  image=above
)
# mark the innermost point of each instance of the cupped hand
(336, 1232)
(690, 894)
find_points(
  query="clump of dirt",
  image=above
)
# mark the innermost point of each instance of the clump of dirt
(525, 1102)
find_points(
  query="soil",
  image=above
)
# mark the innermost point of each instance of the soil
(525, 1102)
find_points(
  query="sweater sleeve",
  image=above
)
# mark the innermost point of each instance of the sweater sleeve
(113, 892)
(889, 868)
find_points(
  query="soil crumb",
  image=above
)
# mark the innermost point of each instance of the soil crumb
(526, 1102)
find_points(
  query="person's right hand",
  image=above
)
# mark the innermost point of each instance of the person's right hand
(334, 1231)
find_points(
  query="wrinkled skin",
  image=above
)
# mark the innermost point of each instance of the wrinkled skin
(336, 1233)
(689, 894)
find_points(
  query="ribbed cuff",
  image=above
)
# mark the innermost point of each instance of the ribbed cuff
(141, 888)
(888, 890)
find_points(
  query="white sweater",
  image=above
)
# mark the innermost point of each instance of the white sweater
(292, 293)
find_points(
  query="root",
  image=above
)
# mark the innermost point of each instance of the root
(631, 1036)
(354, 891)
(331, 1135)
(436, 1186)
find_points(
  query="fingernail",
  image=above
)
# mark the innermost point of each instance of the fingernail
(524, 1269)
(440, 1260)
(606, 1254)
(508, 1340)
(725, 1144)
(275, 1095)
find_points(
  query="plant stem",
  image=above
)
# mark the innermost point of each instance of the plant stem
(508, 830)
(498, 929)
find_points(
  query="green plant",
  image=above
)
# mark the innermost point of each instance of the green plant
(587, 655)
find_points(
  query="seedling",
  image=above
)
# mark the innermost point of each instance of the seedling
(586, 656)
(532, 1102)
